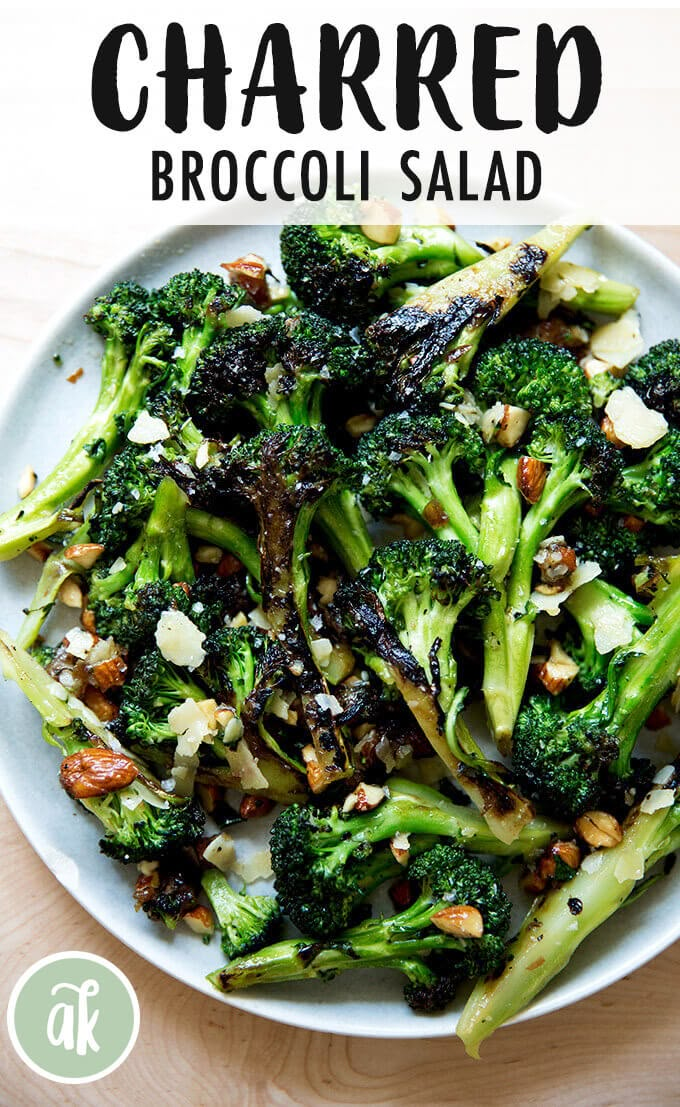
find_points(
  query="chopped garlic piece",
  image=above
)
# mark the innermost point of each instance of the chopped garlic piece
(634, 423)
(620, 342)
(328, 703)
(179, 640)
(147, 429)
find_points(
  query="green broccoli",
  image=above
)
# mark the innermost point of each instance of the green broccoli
(247, 922)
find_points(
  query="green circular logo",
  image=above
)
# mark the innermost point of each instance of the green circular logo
(73, 1017)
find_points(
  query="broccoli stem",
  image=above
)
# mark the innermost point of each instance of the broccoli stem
(610, 298)
(341, 519)
(221, 532)
(55, 571)
(560, 920)
(373, 946)
(648, 672)
(499, 528)
(416, 809)
(563, 490)
(123, 385)
(437, 486)
(166, 554)
(424, 254)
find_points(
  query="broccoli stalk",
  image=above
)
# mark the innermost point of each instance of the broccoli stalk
(403, 609)
(57, 568)
(405, 941)
(140, 821)
(563, 758)
(560, 920)
(135, 352)
(284, 475)
(247, 922)
(344, 274)
(429, 343)
(217, 531)
(344, 528)
(582, 463)
(323, 860)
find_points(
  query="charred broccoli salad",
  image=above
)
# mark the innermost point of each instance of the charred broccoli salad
(315, 530)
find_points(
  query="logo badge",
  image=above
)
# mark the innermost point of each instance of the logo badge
(73, 1017)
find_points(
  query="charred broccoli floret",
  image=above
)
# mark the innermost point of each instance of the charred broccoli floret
(444, 876)
(427, 346)
(325, 861)
(344, 274)
(656, 379)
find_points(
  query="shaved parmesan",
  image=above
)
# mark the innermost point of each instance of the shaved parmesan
(630, 866)
(240, 315)
(587, 570)
(634, 423)
(657, 799)
(562, 282)
(79, 641)
(615, 627)
(221, 852)
(256, 867)
(147, 429)
(179, 640)
(620, 342)
(244, 766)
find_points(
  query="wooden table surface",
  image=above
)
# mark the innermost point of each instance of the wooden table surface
(616, 1047)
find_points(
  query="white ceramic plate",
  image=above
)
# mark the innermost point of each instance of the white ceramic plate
(36, 420)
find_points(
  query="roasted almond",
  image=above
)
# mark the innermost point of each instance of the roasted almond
(250, 273)
(84, 554)
(97, 702)
(254, 807)
(109, 673)
(531, 477)
(558, 671)
(316, 777)
(460, 921)
(607, 428)
(96, 772)
(599, 829)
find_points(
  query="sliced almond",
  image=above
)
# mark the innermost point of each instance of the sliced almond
(105, 711)
(27, 482)
(200, 921)
(505, 423)
(381, 222)
(531, 478)
(607, 428)
(70, 593)
(460, 921)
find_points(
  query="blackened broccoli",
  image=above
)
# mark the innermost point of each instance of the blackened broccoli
(445, 876)
(344, 274)
(170, 891)
(613, 541)
(324, 860)
(232, 658)
(198, 305)
(247, 922)
(656, 379)
(427, 345)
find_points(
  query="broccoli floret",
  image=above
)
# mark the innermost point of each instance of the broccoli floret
(325, 863)
(561, 758)
(154, 688)
(656, 379)
(125, 497)
(416, 461)
(146, 831)
(131, 619)
(612, 540)
(535, 375)
(444, 875)
(232, 657)
(247, 922)
(582, 466)
(342, 273)
(277, 369)
(650, 488)
(427, 346)
(160, 555)
(128, 368)
(198, 306)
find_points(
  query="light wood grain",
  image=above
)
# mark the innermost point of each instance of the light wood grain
(617, 1047)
